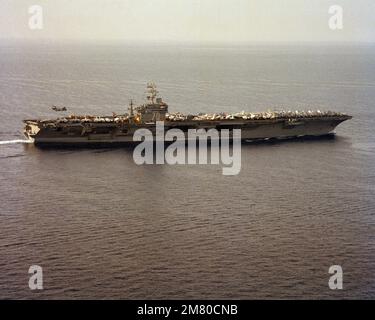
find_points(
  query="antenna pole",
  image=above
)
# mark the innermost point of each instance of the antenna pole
(131, 108)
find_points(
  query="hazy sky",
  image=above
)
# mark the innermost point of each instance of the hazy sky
(190, 20)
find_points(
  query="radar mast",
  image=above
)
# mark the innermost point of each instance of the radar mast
(151, 92)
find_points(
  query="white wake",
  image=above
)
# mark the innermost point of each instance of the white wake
(16, 141)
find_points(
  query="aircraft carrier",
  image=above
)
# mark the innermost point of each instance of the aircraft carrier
(77, 130)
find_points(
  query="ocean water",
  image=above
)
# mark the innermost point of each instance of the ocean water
(102, 227)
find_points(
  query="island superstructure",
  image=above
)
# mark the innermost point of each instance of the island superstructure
(119, 129)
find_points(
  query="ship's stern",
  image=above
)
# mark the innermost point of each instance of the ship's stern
(31, 129)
